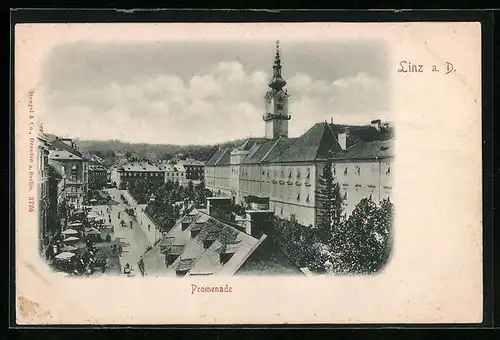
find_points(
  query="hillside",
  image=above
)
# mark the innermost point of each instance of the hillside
(153, 151)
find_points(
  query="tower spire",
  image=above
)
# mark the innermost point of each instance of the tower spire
(277, 83)
(276, 115)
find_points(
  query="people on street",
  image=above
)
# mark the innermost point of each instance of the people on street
(140, 264)
(127, 269)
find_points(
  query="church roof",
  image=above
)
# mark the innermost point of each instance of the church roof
(250, 142)
(363, 132)
(220, 157)
(316, 143)
(367, 150)
(282, 144)
(255, 156)
(225, 158)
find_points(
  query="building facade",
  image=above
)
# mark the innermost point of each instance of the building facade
(136, 171)
(98, 177)
(195, 170)
(175, 173)
(288, 170)
(74, 169)
(43, 175)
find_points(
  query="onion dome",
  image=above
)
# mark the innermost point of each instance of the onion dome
(277, 82)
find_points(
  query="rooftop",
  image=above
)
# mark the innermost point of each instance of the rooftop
(141, 167)
(319, 142)
(200, 253)
(63, 155)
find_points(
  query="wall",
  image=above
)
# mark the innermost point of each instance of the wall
(131, 201)
(291, 189)
(153, 233)
(362, 179)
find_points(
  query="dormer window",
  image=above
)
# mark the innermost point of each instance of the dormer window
(225, 257)
(194, 232)
(207, 243)
(170, 259)
(180, 273)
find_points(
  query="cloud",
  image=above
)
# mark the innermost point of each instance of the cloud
(224, 103)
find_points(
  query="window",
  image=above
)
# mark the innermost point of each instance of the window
(307, 198)
(298, 196)
(358, 170)
(334, 171)
(290, 174)
(345, 171)
(388, 170)
(279, 106)
(345, 195)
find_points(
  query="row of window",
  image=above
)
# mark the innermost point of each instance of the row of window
(142, 174)
(175, 174)
(291, 173)
(98, 173)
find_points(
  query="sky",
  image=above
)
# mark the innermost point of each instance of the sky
(206, 93)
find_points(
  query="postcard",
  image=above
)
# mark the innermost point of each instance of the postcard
(248, 173)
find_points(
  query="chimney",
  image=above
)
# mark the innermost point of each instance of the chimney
(342, 139)
(219, 207)
(375, 124)
(195, 231)
(256, 221)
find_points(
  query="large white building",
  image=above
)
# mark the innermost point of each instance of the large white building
(288, 170)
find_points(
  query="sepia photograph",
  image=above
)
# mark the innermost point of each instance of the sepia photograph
(239, 165)
(291, 176)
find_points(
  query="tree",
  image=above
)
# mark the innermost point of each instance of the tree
(362, 245)
(330, 203)
(190, 191)
(200, 194)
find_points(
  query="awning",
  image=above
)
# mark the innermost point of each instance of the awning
(64, 255)
(71, 239)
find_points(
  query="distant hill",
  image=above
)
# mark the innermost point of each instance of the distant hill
(158, 151)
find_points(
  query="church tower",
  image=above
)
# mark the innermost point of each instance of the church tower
(276, 117)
